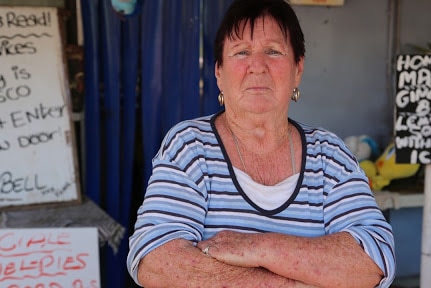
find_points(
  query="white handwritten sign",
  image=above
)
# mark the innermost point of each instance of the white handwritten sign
(49, 258)
(413, 109)
(37, 156)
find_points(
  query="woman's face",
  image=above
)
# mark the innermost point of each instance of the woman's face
(258, 73)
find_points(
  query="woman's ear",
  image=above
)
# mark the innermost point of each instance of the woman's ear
(299, 71)
(217, 70)
(217, 74)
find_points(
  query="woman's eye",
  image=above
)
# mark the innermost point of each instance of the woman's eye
(242, 53)
(268, 52)
(273, 52)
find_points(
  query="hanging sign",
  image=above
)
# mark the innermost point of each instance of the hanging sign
(49, 258)
(413, 109)
(37, 156)
(318, 2)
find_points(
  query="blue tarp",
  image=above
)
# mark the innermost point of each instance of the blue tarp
(142, 75)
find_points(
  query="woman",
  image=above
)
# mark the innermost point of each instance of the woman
(249, 197)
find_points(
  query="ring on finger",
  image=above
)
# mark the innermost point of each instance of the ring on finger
(206, 250)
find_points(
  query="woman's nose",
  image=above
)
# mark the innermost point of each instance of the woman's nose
(258, 63)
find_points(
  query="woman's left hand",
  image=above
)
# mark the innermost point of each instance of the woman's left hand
(234, 248)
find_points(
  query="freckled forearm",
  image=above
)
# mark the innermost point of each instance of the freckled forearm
(179, 264)
(314, 260)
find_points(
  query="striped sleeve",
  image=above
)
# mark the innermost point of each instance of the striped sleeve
(350, 206)
(174, 205)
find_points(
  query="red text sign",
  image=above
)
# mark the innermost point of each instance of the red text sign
(49, 258)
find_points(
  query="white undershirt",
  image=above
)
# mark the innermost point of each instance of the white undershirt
(267, 197)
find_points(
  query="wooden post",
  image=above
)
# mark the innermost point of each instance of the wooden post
(426, 232)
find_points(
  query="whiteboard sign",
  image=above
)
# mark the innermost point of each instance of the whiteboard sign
(37, 156)
(49, 258)
(413, 109)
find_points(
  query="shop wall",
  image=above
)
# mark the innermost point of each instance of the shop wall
(347, 85)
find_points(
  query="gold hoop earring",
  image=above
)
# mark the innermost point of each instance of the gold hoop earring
(221, 98)
(295, 95)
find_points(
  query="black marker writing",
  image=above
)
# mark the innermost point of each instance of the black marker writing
(57, 192)
(14, 93)
(36, 139)
(4, 145)
(8, 48)
(27, 21)
(41, 112)
(20, 74)
(10, 184)
(2, 123)
(2, 81)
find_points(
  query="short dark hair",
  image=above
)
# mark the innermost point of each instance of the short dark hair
(242, 11)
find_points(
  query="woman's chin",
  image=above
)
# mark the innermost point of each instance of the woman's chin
(260, 105)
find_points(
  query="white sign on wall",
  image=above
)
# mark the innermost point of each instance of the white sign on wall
(37, 156)
(49, 258)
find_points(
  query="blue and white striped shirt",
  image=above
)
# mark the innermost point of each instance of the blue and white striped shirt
(193, 194)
